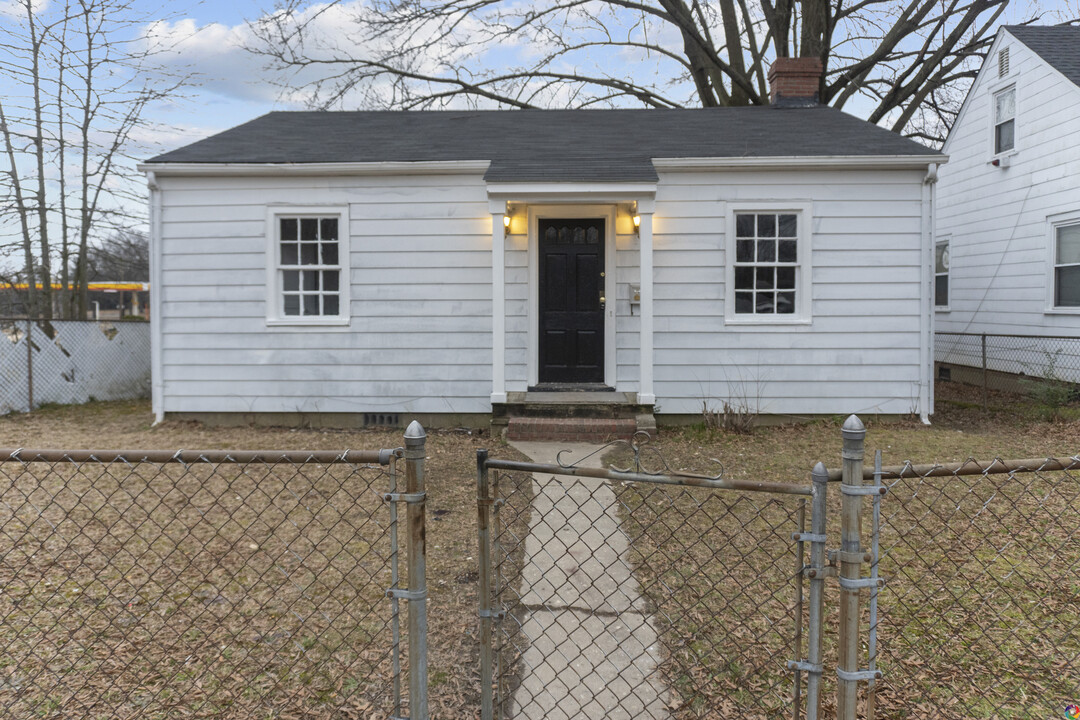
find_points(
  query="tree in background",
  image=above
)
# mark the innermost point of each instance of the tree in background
(83, 76)
(903, 63)
(123, 256)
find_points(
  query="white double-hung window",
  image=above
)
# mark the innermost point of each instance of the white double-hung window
(768, 271)
(308, 256)
(1004, 120)
(1066, 264)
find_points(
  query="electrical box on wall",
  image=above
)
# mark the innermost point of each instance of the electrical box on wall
(635, 299)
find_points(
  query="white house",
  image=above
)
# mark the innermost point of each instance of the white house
(1008, 202)
(354, 266)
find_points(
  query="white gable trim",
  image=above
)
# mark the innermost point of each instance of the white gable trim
(440, 167)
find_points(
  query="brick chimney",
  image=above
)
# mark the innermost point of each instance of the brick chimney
(795, 79)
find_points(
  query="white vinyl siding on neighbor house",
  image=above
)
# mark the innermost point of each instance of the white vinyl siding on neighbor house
(999, 219)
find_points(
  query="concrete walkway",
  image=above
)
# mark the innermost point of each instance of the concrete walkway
(592, 649)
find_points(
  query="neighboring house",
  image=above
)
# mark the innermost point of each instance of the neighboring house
(1008, 204)
(337, 267)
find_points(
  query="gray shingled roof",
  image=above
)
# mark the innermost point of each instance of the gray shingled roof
(1058, 45)
(554, 145)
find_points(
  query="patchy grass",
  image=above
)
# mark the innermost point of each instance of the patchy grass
(978, 619)
(151, 598)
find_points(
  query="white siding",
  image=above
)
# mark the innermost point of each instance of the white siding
(420, 335)
(419, 340)
(859, 352)
(996, 218)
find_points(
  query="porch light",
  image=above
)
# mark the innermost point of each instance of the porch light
(637, 224)
(506, 224)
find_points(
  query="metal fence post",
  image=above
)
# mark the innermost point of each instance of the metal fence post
(814, 652)
(29, 367)
(851, 559)
(483, 521)
(984, 371)
(415, 452)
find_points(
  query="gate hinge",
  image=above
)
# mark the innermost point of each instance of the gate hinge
(807, 537)
(863, 489)
(405, 497)
(859, 583)
(858, 675)
(805, 666)
(407, 594)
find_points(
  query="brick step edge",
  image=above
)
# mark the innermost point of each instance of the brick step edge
(570, 429)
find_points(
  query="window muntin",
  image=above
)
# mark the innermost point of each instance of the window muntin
(1067, 265)
(941, 273)
(308, 266)
(1004, 120)
(767, 254)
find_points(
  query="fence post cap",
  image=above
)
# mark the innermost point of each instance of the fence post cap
(853, 426)
(820, 473)
(415, 433)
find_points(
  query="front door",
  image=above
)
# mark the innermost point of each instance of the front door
(571, 301)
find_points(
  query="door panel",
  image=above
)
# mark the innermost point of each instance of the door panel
(571, 256)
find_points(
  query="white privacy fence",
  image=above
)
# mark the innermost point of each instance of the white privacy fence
(71, 361)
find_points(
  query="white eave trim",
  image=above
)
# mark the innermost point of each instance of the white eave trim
(702, 164)
(440, 167)
(570, 192)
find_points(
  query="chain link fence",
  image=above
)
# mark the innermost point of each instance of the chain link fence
(205, 584)
(637, 595)
(71, 361)
(979, 615)
(1013, 363)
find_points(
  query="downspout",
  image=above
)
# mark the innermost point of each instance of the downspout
(926, 339)
(156, 379)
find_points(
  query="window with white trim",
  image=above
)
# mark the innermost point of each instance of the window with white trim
(1067, 265)
(1004, 120)
(309, 254)
(769, 265)
(941, 273)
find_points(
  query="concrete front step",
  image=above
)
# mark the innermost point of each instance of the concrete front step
(575, 429)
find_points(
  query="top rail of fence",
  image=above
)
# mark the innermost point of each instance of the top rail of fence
(271, 457)
(970, 467)
(684, 479)
(1006, 335)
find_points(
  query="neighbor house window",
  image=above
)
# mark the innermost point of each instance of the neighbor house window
(941, 273)
(309, 255)
(1067, 265)
(769, 265)
(1004, 120)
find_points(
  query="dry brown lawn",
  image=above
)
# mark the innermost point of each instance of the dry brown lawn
(727, 634)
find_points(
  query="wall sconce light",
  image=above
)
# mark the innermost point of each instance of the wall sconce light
(506, 225)
(637, 225)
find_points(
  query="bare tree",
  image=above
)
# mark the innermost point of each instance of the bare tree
(123, 256)
(86, 75)
(901, 63)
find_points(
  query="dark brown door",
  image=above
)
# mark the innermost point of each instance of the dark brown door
(571, 311)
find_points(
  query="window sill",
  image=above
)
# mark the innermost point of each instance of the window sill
(1062, 311)
(342, 322)
(942, 309)
(756, 321)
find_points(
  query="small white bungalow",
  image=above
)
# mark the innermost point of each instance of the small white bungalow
(351, 267)
(1008, 204)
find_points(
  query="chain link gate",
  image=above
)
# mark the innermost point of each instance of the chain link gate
(231, 584)
(628, 593)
